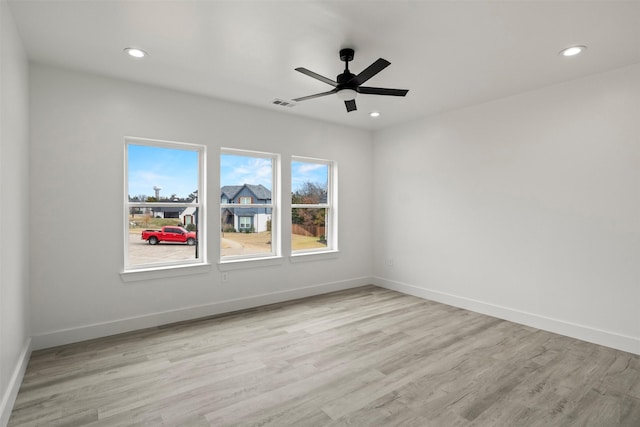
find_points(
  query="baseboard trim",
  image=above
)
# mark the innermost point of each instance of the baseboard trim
(581, 332)
(99, 330)
(10, 394)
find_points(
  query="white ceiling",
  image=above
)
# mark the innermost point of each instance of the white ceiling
(449, 54)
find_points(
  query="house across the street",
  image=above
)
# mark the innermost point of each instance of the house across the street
(245, 218)
(186, 215)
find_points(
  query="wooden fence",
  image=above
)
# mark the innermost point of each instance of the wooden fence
(308, 230)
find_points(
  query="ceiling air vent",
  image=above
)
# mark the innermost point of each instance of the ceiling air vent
(283, 103)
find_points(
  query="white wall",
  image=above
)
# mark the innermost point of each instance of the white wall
(526, 208)
(14, 210)
(78, 122)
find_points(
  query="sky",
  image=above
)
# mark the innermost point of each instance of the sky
(302, 172)
(176, 171)
(238, 170)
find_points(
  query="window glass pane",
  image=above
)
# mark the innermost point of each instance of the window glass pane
(310, 186)
(308, 229)
(309, 182)
(161, 174)
(166, 232)
(246, 231)
(153, 239)
(236, 170)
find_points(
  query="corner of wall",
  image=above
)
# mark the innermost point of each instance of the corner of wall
(15, 344)
(11, 392)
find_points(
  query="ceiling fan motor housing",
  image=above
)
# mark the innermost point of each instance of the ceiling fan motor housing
(344, 78)
(346, 55)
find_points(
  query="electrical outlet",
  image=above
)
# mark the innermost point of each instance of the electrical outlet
(224, 277)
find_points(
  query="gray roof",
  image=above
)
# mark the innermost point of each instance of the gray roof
(229, 191)
(260, 191)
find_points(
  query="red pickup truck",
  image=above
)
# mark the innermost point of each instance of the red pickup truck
(169, 234)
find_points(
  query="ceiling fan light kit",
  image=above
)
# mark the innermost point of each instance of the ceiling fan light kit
(347, 94)
(347, 85)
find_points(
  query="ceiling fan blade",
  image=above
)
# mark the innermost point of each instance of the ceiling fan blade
(381, 91)
(350, 104)
(317, 95)
(317, 76)
(371, 71)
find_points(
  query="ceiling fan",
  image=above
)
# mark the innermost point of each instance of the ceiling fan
(348, 85)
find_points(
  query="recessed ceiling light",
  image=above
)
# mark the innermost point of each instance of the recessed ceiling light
(374, 114)
(135, 53)
(572, 51)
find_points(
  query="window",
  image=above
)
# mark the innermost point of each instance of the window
(313, 210)
(248, 214)
(164, 206)
(245, 222)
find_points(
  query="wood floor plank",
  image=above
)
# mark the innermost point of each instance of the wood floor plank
(359, 357)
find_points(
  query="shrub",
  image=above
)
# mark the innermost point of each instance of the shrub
(228, 228)
(190, 227)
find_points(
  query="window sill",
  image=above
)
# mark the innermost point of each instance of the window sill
(241, 264)
(164, 272)
(314, 256)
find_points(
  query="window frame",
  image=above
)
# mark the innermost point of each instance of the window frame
(199, 204)
(331, 206)
(273, 205)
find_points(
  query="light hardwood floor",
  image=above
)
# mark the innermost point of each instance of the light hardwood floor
(362, 357)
